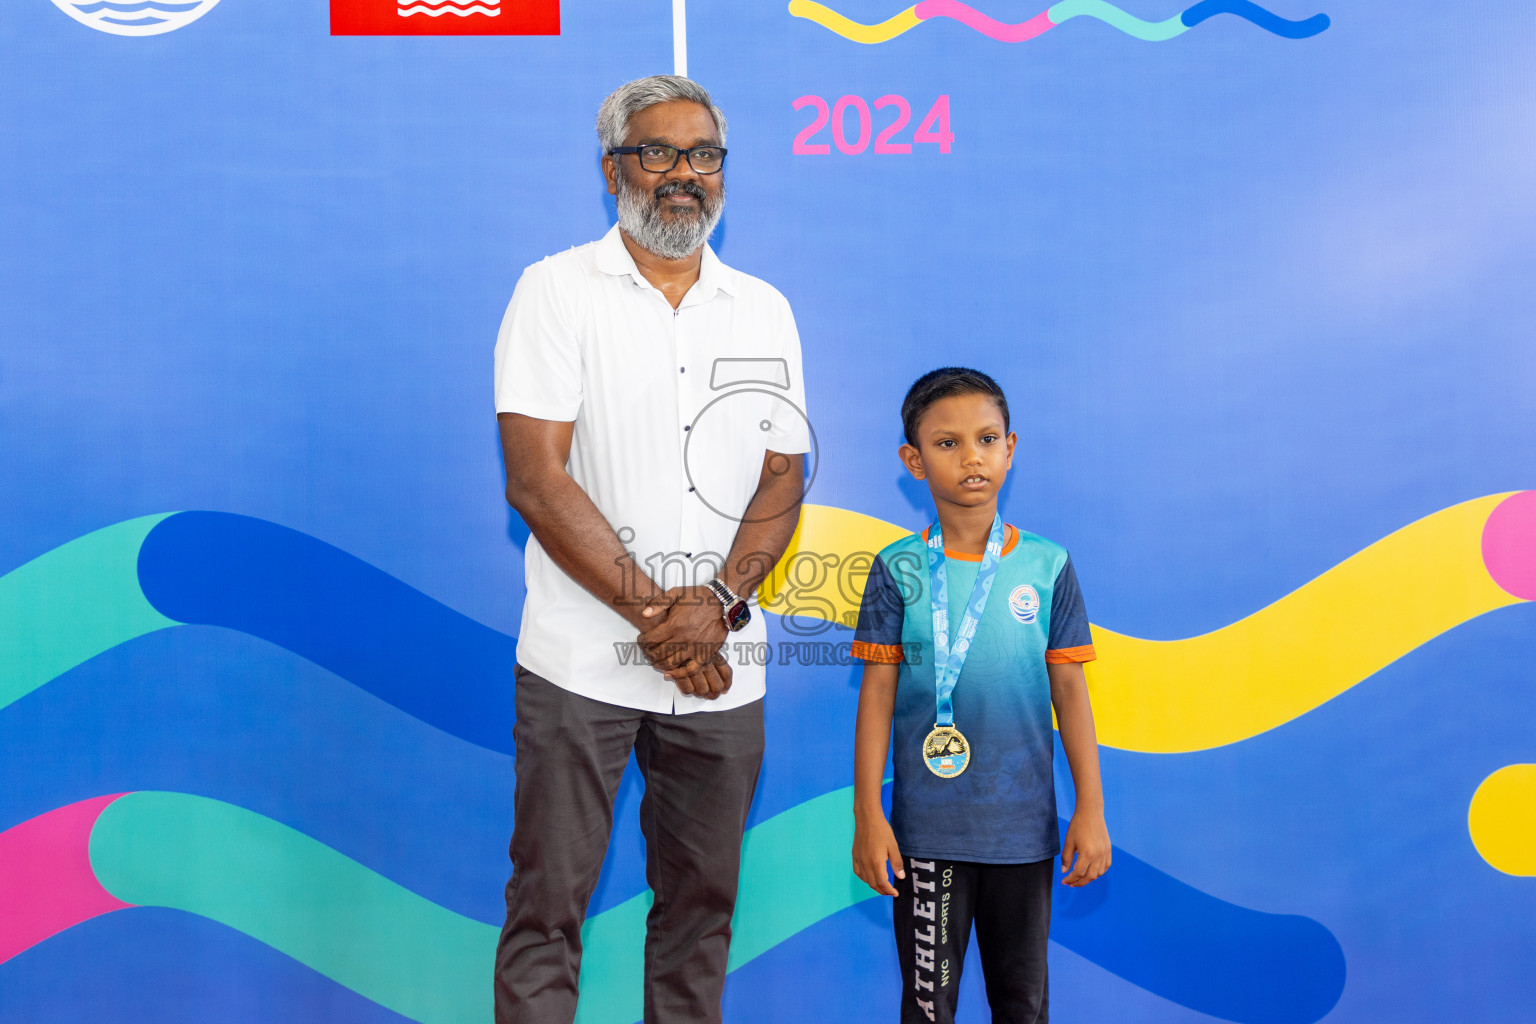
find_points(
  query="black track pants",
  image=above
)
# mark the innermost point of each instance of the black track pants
(1010, 906)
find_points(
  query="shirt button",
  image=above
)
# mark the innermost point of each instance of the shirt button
(688, 428)
(690, 490)
(682, 369)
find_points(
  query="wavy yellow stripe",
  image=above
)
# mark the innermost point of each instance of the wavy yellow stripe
(1301, 651)
(848, 29)
(821, 576)
(1241, 680)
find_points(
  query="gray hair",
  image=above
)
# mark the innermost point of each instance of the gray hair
(628, 100)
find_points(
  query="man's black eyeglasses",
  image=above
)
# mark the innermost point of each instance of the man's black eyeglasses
(659, 159)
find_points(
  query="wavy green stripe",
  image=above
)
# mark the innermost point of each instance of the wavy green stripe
(71, 604)
(613, 964)
(405, 952)
(808, 844)
(299, 896)
(806, 847)
(1151, 31)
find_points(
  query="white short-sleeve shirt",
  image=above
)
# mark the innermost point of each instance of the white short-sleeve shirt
(674, 411)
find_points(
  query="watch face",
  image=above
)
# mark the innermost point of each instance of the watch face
(737, 616)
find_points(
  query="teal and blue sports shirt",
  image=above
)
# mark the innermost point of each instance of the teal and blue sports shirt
(1002, 810)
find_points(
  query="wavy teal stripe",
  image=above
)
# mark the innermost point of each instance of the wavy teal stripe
(613, 963)
(1150, 31)
(814, 836)
(814, 839)
(299, 896)
(379, 939)
(71, 604)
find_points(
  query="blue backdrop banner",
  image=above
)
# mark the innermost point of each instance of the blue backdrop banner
(1256, 279)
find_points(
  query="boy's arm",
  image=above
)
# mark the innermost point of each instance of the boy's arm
(1087, 835)
(874, 844)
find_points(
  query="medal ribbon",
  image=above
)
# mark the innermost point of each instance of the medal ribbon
(948, 662)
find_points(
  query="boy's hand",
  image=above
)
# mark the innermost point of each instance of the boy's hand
(1088, 840)
(874, 845)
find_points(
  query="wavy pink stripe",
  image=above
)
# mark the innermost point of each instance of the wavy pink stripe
(1509, 545)
(46, 881)
(972, 18)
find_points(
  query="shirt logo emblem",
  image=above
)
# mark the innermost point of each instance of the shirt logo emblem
(136, 17)
(445, 17)
(1024, 603)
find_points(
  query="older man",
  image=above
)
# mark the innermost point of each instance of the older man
(658, 496)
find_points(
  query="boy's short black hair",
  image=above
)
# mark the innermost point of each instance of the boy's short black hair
(946, 382)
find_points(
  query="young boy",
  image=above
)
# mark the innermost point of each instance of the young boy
(974, 830)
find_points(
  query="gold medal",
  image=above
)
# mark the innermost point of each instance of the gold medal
(946, 752)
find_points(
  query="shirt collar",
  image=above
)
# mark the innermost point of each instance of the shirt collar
(613, 258)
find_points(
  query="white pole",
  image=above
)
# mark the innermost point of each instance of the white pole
(680, 37)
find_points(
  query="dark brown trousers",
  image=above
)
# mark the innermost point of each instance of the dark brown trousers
(700, 772)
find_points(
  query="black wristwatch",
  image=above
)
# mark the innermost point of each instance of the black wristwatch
(733, 608)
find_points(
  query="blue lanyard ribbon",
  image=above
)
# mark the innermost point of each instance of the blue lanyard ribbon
(948, 662)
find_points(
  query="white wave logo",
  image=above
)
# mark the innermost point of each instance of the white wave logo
(1024, 603)
(406, 8)
(136, 17)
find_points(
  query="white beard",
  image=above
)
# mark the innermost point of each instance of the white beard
(673, 237)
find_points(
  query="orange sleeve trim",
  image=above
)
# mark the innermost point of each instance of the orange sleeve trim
(884, 654)
(1068, 655)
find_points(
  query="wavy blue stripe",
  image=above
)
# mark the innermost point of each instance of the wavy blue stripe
(134, 21)
(372, 786)
(446, 669)
(394, 642)
(158, 966)
(412, 651)
(224, 715)
(338, 611)
(1267, 20)
(1199, 951)
(1135, 928)
(143, 5)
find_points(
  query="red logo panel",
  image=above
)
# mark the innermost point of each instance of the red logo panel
(445, 17)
